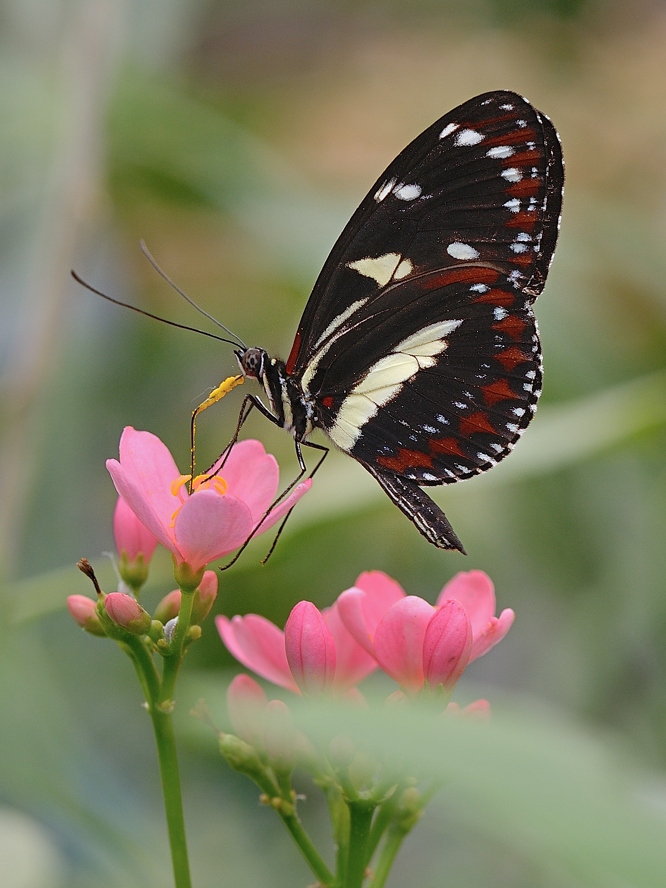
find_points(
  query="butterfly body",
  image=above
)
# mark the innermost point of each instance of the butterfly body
(418, 352)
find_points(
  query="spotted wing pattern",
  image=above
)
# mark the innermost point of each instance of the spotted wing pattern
(483, 184)
(418, 346)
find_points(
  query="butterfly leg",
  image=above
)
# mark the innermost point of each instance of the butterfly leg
(415, 503)
(277, 500)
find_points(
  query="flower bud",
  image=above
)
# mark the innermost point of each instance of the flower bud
(135, 545)
(242, 757)
(84, 611)
(204, 597)
(127, 612)
(169, 606)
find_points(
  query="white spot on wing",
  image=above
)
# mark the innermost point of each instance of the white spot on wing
(500, 151)
(512, 174)
(468, 137)
(403, 270)
(380, 268)
(500, 313)
(462, 251)
(448, 129)
(340, 319)
(407, 192)
(513, 204)
(479, 288)
(506, 107)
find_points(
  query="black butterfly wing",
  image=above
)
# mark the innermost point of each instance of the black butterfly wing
(418, 345)
(483, 184)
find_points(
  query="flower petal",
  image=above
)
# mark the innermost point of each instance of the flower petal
(252, 475)
(494, 632)
(310, 649)
(285, 506)
(399, 641)
(258, 644)
(134, 495)
(209, 526)
(130, 535)
(353, 662)
(363, 606)
(148, 462)
(475, 591)
(447, 645)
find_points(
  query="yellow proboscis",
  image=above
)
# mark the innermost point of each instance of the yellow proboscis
(216, 395)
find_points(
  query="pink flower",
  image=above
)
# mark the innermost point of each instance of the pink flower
(204, 598)
(218, 516)
(315, 653)
(417, 644)
(132, 538)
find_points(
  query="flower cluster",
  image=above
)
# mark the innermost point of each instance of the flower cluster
(424, 648)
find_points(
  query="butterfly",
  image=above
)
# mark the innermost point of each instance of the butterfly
(418, 352)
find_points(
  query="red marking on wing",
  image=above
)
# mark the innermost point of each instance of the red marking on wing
(327, 401)
(460, 275)
(515, 137)
(476, 422)
(497, 297)
(527, 187)
(524, 221)
(513, 326)
(446, 445)
(525, 258)
(291, 360)
(511, 357)
(497, 391)
(405, 459)
(531, 156)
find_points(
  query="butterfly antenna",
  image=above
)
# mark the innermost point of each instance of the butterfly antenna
(148, 314)
(146, 252)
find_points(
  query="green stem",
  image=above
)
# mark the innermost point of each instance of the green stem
(394, 840)
(381, 823)
(173, 660)
(173, 802)
(360, 820)
(307, 848)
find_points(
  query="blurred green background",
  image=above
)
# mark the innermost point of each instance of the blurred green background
(236, 138)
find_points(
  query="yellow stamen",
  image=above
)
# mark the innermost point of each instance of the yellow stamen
(178, 482)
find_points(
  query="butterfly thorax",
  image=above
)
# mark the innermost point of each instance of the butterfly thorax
(292, 409)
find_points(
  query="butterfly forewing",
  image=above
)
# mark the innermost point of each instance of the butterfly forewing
(481, 185)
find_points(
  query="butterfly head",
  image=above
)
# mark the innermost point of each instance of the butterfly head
(252, 362)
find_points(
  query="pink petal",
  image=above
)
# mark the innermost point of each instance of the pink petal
(134, 495)
(493, 633)
(399, 641)
(475, 591)
(130, 535)
(363, 606)
(149, 464)
(286, 505)
(209, 526)
(447, 645)
(310, 649)
(353, 663)
(350, 610)
(258, 644)
(252, 476)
